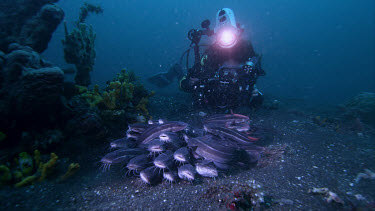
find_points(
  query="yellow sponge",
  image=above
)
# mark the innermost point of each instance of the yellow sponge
(48, 167)
(72, 169)
(27, 181)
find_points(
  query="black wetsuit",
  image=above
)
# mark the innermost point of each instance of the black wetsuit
(219, 80)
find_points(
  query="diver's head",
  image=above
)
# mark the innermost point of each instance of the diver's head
(226, 28)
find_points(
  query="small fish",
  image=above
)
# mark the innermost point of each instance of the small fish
(196, 156)
(213, 149)
(170, 176)
(154, 131)
(223, 166)
(123, 143)
(138, 163)
(165, 160)
(119, 156)
(187, 172)
(156, 146)
(168, 137)
(150, 176)
(202, 114)
(132, 135)
(206, 169)
(171, 140)
(158, 122)
(230, 134)
(161, 121)
(225, 118)
(182, 155)
(241, 127)
(138, 127)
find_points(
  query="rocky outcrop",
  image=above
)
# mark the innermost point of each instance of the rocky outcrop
(28, 22)
(79, 45)
(30, 89)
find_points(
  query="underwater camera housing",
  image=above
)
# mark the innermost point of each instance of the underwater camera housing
(195, 35)
(230, 86)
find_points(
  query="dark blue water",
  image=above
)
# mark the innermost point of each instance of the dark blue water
(321, 52)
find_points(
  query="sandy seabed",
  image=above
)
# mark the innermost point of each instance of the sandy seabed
(305, 155)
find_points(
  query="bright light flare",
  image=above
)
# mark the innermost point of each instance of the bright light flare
(227, 38)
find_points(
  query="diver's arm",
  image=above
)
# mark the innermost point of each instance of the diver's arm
(186, 84)
(183, 84)
(188, 81)
(250, 52)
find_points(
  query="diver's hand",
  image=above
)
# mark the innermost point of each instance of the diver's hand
(192, 81)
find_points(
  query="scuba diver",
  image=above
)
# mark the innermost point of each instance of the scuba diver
(226, 73)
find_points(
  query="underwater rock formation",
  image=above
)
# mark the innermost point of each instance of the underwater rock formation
(79, 45)
(30, 88)
(86, 124)
(29, 23)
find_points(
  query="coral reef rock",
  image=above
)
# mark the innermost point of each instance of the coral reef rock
(30, 88)
(79, 45)
(29, 22)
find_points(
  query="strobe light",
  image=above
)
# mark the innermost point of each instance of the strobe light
(226, 28)
(227, 38)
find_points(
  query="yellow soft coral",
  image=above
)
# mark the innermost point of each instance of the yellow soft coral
(47, 168)
(81, 89)
(115, 85)
(27, 181)
(142, 105)
(93, 98)
(123, 76)
(72, 169)
(109, 100)
(127, 90)
(119, 93)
